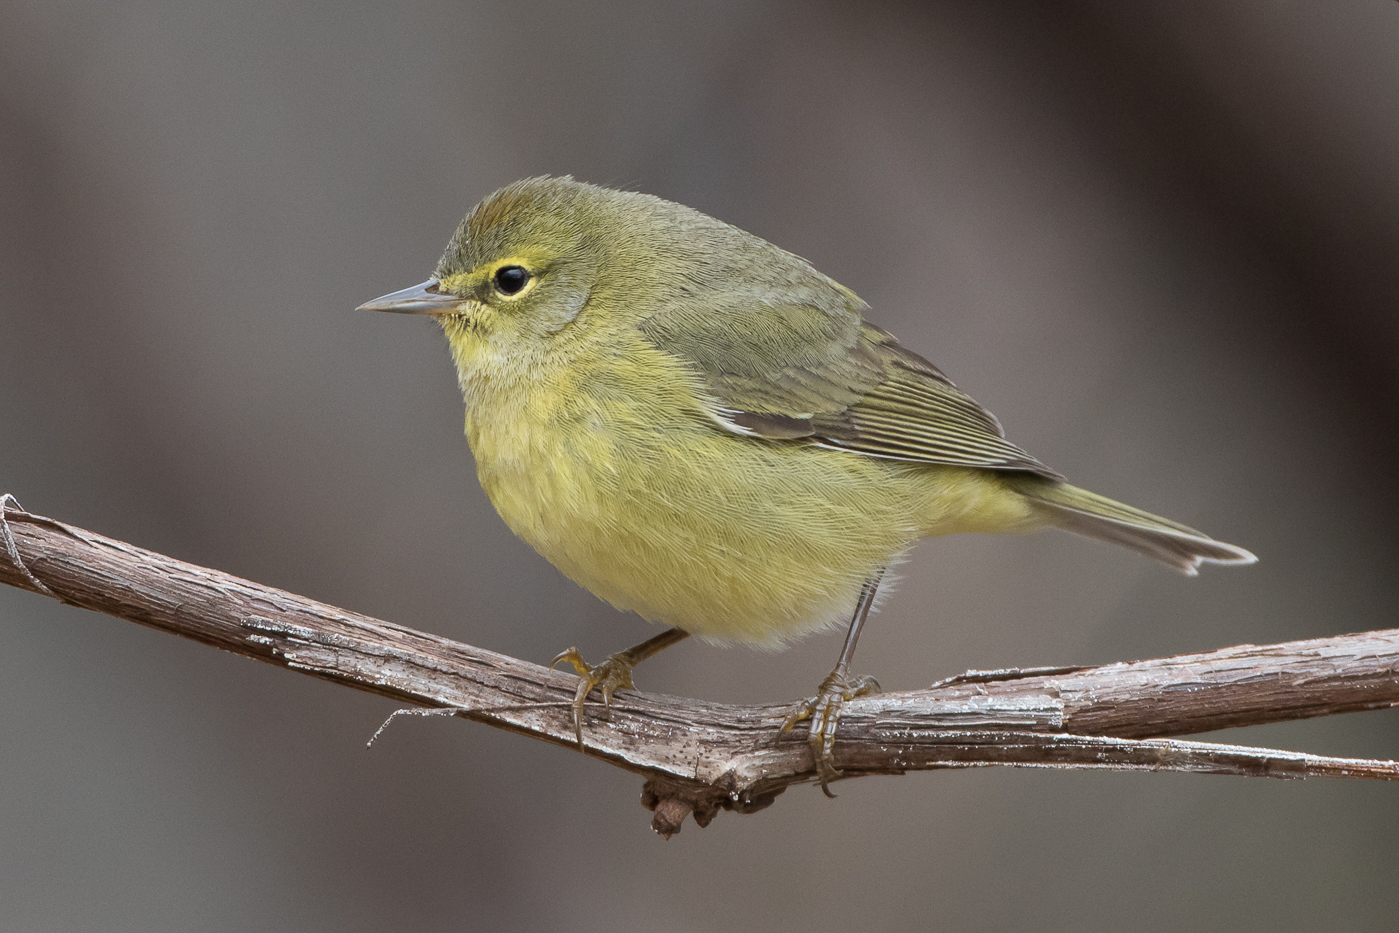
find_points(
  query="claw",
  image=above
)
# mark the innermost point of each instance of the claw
(611, 675)
(824, 711)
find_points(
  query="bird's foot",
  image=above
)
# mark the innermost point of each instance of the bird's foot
(824, 712)
(612, 674)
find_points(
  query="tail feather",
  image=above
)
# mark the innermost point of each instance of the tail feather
(1095, 516)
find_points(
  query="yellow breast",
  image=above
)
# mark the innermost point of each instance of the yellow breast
(615, 473)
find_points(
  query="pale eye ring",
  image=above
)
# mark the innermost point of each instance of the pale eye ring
(510, 280)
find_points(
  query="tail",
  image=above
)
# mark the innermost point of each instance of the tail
(1087, 513)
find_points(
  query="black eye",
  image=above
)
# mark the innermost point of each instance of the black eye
(510, 279)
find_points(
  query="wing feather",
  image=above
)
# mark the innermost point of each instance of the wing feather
(822, 375)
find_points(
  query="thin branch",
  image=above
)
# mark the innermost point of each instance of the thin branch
(700, 757)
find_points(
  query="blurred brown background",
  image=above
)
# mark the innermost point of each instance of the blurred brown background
(1159, 240)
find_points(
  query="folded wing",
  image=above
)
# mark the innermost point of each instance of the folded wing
(798, 371)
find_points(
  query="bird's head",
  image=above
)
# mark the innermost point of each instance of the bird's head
(529, 259)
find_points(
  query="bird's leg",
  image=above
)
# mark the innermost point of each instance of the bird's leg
(824, 709)
(612, 674)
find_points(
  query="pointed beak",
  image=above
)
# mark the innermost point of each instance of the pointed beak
(420, 299)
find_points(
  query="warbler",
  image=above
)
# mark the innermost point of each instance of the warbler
(700, 427)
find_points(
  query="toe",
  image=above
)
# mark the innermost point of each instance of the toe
(609, 676)
(572, 657)
(822, 740)
(803, 711)
(579, 698)
(863, 688)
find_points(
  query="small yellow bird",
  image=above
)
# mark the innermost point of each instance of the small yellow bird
(701, 428)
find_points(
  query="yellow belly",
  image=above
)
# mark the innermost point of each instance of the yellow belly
(733, 539)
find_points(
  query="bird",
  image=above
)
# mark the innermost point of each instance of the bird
(698, 426)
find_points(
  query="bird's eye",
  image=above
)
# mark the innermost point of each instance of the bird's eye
(510, 279)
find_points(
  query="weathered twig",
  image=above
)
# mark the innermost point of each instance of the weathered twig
(700, 757)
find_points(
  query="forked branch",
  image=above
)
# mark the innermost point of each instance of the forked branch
(701, 757)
